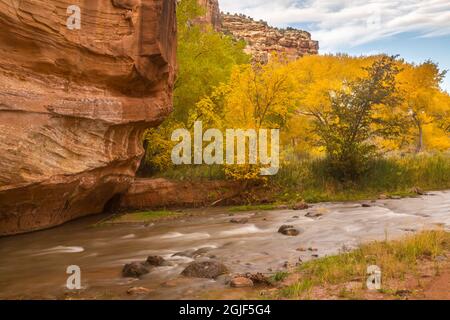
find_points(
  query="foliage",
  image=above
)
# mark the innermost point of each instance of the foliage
(346, 109)
(205, 60)
(256, 97)
(355, 117)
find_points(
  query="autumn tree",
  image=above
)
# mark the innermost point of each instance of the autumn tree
(256, 97)
(205, 60)
(424, 102)
(346, 129)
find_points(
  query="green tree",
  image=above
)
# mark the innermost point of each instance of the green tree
(205, 60)
(355, 118)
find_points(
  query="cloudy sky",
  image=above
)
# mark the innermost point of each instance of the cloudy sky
(418, 30)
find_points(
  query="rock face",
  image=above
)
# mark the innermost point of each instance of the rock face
(262, 40)
(160, 193)
(74, 103)
(212, 14)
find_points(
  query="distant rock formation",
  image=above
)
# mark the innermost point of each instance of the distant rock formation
(262, 39)
(75, 103)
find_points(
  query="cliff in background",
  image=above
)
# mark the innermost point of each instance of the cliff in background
(75, 103)
(261, 39)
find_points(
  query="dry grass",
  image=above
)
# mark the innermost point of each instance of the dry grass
(396, 259)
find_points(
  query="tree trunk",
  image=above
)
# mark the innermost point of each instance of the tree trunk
(420, 138)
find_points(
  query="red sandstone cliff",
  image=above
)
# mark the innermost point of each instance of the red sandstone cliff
(74, 103)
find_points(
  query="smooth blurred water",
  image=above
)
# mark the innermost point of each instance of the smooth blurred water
(33, 265)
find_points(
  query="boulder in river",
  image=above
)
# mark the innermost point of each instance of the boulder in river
(418, 191)
(300, 206)
(258, 278)
(241, 282)
(205, 269)
(314, 215)
(156, 261)
(135, 269)
(239, 221)
(288, 230)
(137, 291)
(192, 253)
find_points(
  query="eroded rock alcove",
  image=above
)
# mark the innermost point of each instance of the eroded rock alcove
(75, 103)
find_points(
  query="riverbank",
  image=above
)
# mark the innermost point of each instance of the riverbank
(307, 180)
(414, 267)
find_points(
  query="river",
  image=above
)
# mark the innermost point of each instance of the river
(33, 266)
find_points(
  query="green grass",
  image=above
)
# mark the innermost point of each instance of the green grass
(395, 259)
(279, 276)
(262, 207)
(307, 179)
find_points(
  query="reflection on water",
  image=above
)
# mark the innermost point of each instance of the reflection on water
(34, 265)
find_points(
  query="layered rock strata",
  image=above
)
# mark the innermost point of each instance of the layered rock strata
(263, 40)
(74, 103)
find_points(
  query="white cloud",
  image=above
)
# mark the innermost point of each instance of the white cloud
(340, 24)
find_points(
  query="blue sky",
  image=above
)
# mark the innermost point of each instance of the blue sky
(417, 30)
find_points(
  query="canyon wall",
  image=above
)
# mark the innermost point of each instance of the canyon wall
(74, 103)
(212, 14)
(263, 40)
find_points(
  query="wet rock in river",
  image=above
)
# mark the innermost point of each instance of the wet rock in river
(366, 205)
(239, 221)
(313, 215)
(288, 230)
(136, 291)
(135, 270)
(241, 282)
(202, 251)
(187, 253)
(300, 206)
(156, 261)
(192, 253)
(205, 269)
(418, 191)
(224, 279)
(258, 278)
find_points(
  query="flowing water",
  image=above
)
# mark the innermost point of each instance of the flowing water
(34, 265)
